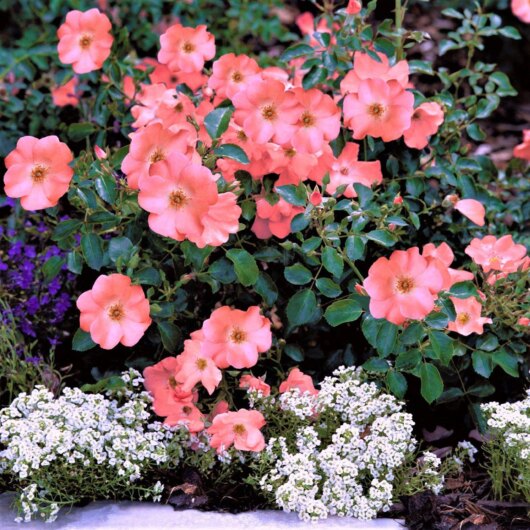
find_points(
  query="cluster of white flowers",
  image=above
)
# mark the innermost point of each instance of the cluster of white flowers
(78, 436)
(301, 404)
(344, 463)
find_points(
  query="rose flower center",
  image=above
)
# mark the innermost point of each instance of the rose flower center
(172, 382)
(201, 364)
(179, 107)
(237, 77)
(238, 335)
(157, 156)
(239, 429)
(463, 318)
(186, 410)
(242, 136)
(178, 199)
(269, 112)
(290, 153)
(404, 285)
(344, 171)
(188, 47)
(376, 110)
(85, 41)
(308, 120)
(39, 172)
(116, 311)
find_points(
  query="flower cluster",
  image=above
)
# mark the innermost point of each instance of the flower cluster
(344, 461)
(54, 446)
(508, 448)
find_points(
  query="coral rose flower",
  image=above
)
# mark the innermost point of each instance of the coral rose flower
(274, 219)
(501, 254)
(232, 73)
(241, 428)
(266, 111)
(472, 209)
(318, 121)
(364, 67)
(521, 9)
(523, 149)
(380, 109)
(85, 40)
(187, 414)
(254, 383)
(185, 49)
(65, 94)
(354, 7)
(197, 366)
(425, 122)
(468, 319)
(442, 257)
(150, 145)
(236, 338)
(183, 202)
(348, 170)
(403, 287)
(298, 379)
(38, 172)
(114, 311)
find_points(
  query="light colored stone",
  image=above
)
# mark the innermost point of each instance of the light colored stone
(106, 515)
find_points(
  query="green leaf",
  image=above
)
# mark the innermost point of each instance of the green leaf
(450, 394)
(408, 361)
(106, 188)
(488, 342)
(148, 276)
(437, 320)
(387, 338)
(354, 247)
(481, 390)
(217, 121)
(332, 261)
(295, 51)
(223, 271)
(328, 287)
(397, 384)
(463, 290)
(120, 247)
(195, 255)
(442, 345)
(316, 75)
(413, 334)
(302, 307)
(52, 267)
(65, 229)
(294, 352)
(245, 266)
(92, 246)
(108, 383)
(79, 131)
(296, 195)
(431, 382)
(507, 361)
(377, 365)
(475, 132)
(82, 341)
(232, 151)
(382, 237)
(298, 274)
(74, 262)
(170, 335)
(510, 32)
(482, 363)
(342, 311)
(266, 288)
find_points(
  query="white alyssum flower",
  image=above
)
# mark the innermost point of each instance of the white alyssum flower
(348, 471)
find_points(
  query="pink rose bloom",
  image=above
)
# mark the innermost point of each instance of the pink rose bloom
(298, 379)
(425, 122)
(241, 428)
(65, 94)
(403, 287)
(521, 9)
(187, 414)
(114, 311)
(348, 170)
(159, 381)
(380, 109)
(364, 67)
(316, 197)
(318, 120)
(38, 172)
(354, 7)
(472, 209)
(185, 49)
(197, 366)
(274, 219)
(255, 383)
(85, 40)
(150, 145)
(292, 166)
(266, 111)
(236, 338)
(524, 321)
(442, 257)
(183, 203)
(100, 153)
(468, 319)
(523, 149)
(501, 254)
(220, 408)
(232, 73)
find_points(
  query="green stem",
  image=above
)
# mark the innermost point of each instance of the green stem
(399, 22)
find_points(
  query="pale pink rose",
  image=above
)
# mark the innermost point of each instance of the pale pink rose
(468, 319)
(425, 122)
(298, 379)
